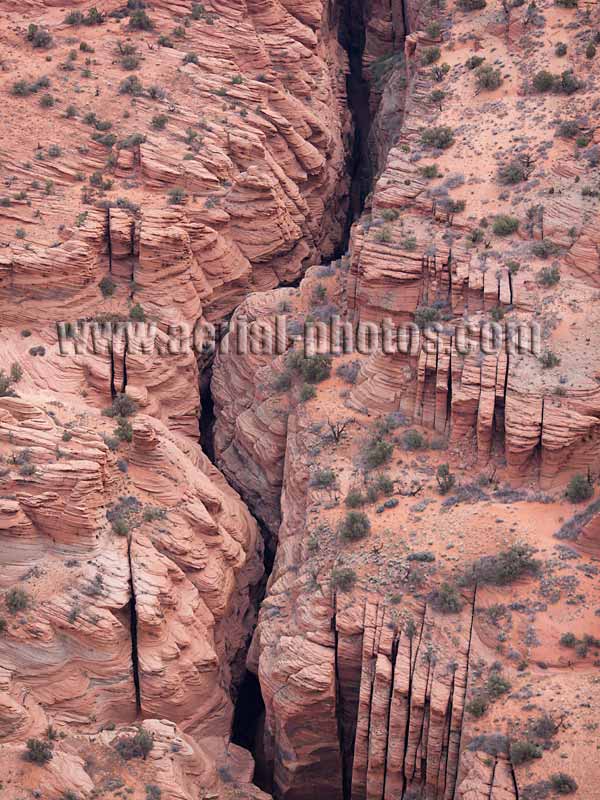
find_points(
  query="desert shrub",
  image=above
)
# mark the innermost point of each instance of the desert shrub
(513, 172)
(488, 77)
(122, 406)
(17, 600)
(190, 58)
(503, 568)
(430, 55)
(323, 478)
(377, 452)
(164, 41)
(422, 556)
(494, 744)
(579, 489)
(430, 171)
(343, 578)
(471, 5)
(355, 499)
(440, 137)
(590, 50)
(137, 313)
(544, 81)
(384, 235)
(130, 62)
(549, 360)
(568, 640)
(543, 727)
(563, 783)
(39, 37)
(354, 526)
(159, 122)
(413, 440)
(151, 513)
(124, 430)
(176, 196)
(496, 685)
(349, 371)
(567, 3)
(569, 83)
(140, 21)
(522, 751)
(478, 705)
(445, 478)
(38, 751)
(544, 249)
(132, 86)
(307, 392)
(153, 792)
(548, 276)
(282, 382)
(314, 369)
(474, 61)
(446, 599)
(561, 49)
(47, 101)
(568, 129)
(383, 484)
(505, 225)
(137, 746)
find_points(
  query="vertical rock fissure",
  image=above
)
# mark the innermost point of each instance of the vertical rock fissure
(108, 240)
(339, 710)
(352, 37)
(394, 658)
(133, 627)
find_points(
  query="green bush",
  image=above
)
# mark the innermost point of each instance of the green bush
(413, 440)
(568, 640)
(343, 578)
(496, 685)
(377, 452)
(38, 752)
(445, 478)
(355, 499)
(324, 478)
(522, 751)
(563, 783)
(477, 706)
(140, 21)
(579, 489)
(429, 171)
(17, 600)
(512, 173)
(39, 37)
(307, 392)
(440, 137)
(354, 526)
(430, 55)
(471, 5)
(137, 313)
(124, 430)
(107, 286)
(122, 406)
(561, 49)
(549, 360)
(488, 77)
(548, 276)
(159, 122)
(474, 61)
(130, 85)
(503, 568)
(544, 81)
(446, 599)
(505, 225)
(590, 50)
(137, 746)
(176, 196)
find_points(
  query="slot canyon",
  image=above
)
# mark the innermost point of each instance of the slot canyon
(230, 570)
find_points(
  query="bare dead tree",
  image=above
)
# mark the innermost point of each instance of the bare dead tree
(337, 429)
